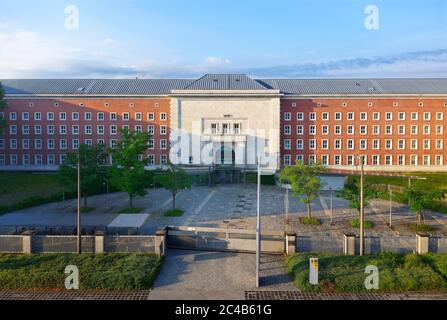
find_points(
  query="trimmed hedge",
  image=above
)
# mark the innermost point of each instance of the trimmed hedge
(111, 271)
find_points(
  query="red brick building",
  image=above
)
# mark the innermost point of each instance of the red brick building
(395, 124)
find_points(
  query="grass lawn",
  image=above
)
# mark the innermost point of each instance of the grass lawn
(310, 221)
(16, 186)
(130, 210)
(101, 271)
(397, 273)
(174, 213)
(356, 224)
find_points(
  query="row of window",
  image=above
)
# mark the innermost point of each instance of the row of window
(88, 129)
(363, 129)
(376, 160)
(82, 104)
(51, 159)
(88, 116)
(363, 144)
(344, 104)
(376, 116)
(63, 144)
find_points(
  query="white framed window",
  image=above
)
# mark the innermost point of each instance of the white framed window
(75, 116)
(401, 130)
(25, 116)
(414, 160)
(388, 144)
(38, 159)
(12, 116)
(138, 128)
(413, 144)
(350, 160)
(312, 144)
(300, 144)
(126, 116)
(300, 116)
(376, 144)
(389, 130)
(163, 144)
(113, 116)
(13, 159)
(151, 159)
(426, 129)
(439, 160)
(350, 144)
(113, 143)
(50, 116)
(426, 160)
(138, 116)
(363, 130)
(63, 144)
(25, 129)
(427, 144)
(163, 116)
(439, 129)
(350, 130)
(427, 116)
(439, 116)
(88, 129)
(414, 130)
(299, 158)
(151, 116)
(376, 116)
(439, 144)
(151, 129)
(100, 129)
(401, 160)
(88, 116)
(25, 144)
(300, 130)
(325, 116)
(287, 130)
(325, 130)
(388, 116)
(312, 159)
(37, 116)
(13, 129)
(287, 144)
(113, 129)
(312, 116)
(376, 130)
(164, 130)
(312, 130)
(338, 116)
(50, 129)
(363, 116)
(50, 144)
(75, 130)
(151, 144)
(337, 160)
(401, 144)
(287, 116)
(100, 116)
(414, 116)
(337, 144)
(63, 116)
(376, 160)
(38, 144)
(62, 158)
(351, 116)
(287, 160)
(2, 160)
(2, 144)
(50, 159)
(337, 130)
(363, 144)
(325, 144)
(388, 160)
(325, 160)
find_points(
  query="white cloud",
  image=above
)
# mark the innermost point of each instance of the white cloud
(109, 41)
(217, 61)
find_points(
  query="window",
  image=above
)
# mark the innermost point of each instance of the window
(312, 116)
(414, 116)
(414, 160)
(299, 144)
(395, 104)
(312, 130)
(13, 159)
(337, 160)
(312, 144)
(63, 144)
(287, 160)
(25, 144)
(286, 129)
(350, 160)
(50, 144)
(38, 159)
(439, 129)
(401, 144)
(325, 160)
(113, 130)
(50, 129)
(388, 160)
(293, 104)
(75, 130)
(350, 144)
(31, 104)
(299, 158)
(401, 160)
(439, 144)
(132, 105)
(389, 116)
(138, 128)
(113, 143)
(325, 144)
(300, 116)
(287, 116)
(388, 144)
(370, 104)
(337, 130)
(325, 130)
(75, 116)
(401, 116)
(56, 104)
(413, 144)
(439, 116)
(344, 104)
(350, 130)
(13, 129)
(163, 144)
(214, 128)
(2, 159)
(300, 130)
(106, 104)
(113, 116)
(420, 104)
(376, 144)
(37, 116)
(363, 116)
(363, 144)
(138, 116)
(426, 144)
(388, 130)
(363, 130)
(376, 130)
(426, 129)
(12, 116)
(126, 116)
(38, 144)
(100, 129)
(163, 116)
(376, 160)
(50, 116)
(376, 116)
(427, 116)
(337, 144)
(351, 116)
(150, 116)
(439, 160)
(426, 160)
(226, 128)
(325, 116)
(50, 159)
(100, 116)
(414, 130)
(62, 116)
(164, 129)
(25, 116)
(287, 144)
(151, 159)
(25, 129)
(62, 158)
(88, 142)
(2, 144)
(88, 116)
(150, 144)
(401, 130)
(338, 116)
(312, 159)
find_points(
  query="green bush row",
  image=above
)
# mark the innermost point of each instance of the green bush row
(109, 271)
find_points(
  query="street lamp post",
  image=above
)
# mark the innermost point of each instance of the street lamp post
(391, 207)
(362, 217)
(332, 207)
(287, 205)
(258, 225)
(79, 205)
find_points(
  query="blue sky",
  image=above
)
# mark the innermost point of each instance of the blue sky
(173, 38)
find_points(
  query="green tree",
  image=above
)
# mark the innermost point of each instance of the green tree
(93, 170)
(419, 199)
(305, 182)
(127, 172)
(351, 192)
(174, 180)
(2, 108)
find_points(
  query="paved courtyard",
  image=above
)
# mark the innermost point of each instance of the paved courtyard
(220, 206)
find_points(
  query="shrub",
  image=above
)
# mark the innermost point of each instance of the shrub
(310, 221)
(356, 224)
(130, 210)
(174, 213)
(421, 228)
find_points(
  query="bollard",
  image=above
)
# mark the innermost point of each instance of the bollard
(290, 243)
(160, 242)
(349, 244)
(422, 242)
(99, 242)
(27, 241)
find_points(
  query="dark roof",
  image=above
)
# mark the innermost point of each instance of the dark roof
(224, 82)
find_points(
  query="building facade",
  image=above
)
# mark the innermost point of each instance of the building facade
(232, 120)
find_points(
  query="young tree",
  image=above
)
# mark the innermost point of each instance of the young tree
(2, 108)
(174, 180)
(351, 192)
(305, 182)
(93, 169)
(127, 172)
(419, 200)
